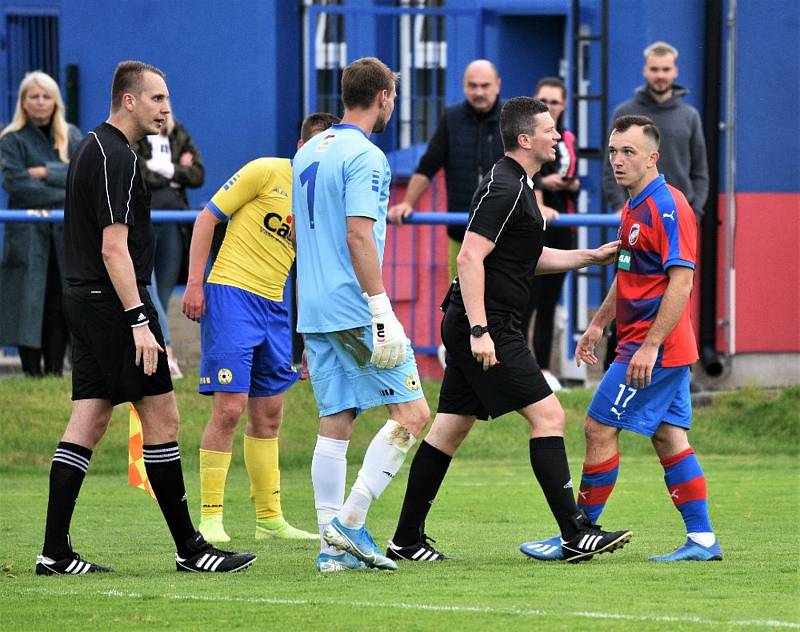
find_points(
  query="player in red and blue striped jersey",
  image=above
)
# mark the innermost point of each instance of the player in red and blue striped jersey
(646, 389)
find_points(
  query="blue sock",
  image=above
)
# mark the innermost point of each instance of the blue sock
(597, 483)
(686, 484)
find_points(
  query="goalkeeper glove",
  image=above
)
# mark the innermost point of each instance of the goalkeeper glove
(388, 336)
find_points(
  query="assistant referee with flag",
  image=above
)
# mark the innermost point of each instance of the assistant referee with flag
(117, 346)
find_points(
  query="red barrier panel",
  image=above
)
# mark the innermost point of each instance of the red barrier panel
(767, 263)
(416, 278)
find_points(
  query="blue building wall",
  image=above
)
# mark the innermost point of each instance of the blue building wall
(234, 68)
(767, 121)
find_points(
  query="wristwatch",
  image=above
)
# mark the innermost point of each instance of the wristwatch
(478, 330)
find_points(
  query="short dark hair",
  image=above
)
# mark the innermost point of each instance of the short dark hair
(552, 82)
(128, 77)
(363, 79)
(517, 117)
(649, 128)
(314, 123)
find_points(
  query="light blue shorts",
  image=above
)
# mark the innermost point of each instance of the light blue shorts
(343, 377)
(665, 400)
(245, 344)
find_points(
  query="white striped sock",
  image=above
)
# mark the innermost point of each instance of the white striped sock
(68, 457)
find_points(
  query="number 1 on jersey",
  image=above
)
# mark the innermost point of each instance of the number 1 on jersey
(309, 175)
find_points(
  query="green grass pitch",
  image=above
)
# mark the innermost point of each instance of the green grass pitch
(489, 504)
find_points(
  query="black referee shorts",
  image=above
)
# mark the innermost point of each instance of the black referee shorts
(103, 352)
(469, 390)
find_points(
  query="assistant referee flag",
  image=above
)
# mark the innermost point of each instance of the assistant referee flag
(137, 474)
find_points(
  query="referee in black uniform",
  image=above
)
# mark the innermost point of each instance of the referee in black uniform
(490, 370)
(117, 345)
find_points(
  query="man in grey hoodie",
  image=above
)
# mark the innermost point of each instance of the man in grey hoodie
(683, 147)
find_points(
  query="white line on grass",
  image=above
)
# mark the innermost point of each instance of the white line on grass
(525, 612)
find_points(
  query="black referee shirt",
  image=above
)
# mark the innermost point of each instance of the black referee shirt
(504, 210)
(104, 186)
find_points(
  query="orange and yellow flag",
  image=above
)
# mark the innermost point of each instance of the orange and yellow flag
(137, 474)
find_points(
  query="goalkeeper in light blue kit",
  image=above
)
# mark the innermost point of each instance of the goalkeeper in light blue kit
(358, 353)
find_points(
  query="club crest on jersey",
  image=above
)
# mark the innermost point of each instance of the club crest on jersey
(633, 236)
(224, 376)
(412, 383)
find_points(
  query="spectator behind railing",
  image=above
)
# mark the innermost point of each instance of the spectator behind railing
(170, 163)
(34, 151)
(466, 143)
(683, 147)
(683, 160)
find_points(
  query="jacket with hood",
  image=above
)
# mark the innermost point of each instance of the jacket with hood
(683, 147)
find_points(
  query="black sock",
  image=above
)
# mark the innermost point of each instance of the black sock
(424, 478)
(67, 471)
(163, 465)
(549, 463)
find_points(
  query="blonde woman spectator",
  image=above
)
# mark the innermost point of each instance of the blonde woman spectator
(34, 154)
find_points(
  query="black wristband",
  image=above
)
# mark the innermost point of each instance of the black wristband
(137, 316)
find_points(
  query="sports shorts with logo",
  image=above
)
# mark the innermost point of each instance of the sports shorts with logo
(103, 351)
(343, 377)
(245, 343)
(467, 389)
(665, 400)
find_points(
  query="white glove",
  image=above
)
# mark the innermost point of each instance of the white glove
(388, 336)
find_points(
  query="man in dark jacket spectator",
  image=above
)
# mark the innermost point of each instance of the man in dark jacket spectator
(466, 143)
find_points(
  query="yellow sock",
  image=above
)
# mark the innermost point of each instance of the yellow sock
(453, 248)
(213, 472)
(261, 461)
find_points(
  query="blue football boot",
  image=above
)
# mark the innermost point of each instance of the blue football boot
(544, 549)
(327, 563)
(359, 543)
(692, 552)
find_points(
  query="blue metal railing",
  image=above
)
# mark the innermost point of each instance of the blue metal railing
(424, 343)
(583, 219)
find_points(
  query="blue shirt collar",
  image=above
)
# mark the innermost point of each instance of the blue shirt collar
(647, 191)
(349, 126)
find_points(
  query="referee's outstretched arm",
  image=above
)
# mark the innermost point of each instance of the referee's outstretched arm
(554, 260)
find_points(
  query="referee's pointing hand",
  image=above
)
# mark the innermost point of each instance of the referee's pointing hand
(147, 349)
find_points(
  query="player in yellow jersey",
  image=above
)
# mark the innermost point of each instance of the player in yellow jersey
(246, 338)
